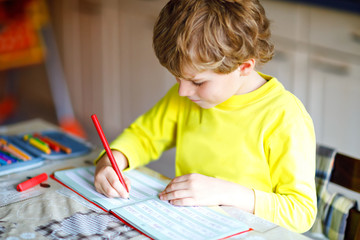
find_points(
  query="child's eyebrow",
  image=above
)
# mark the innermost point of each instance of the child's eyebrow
(193, 79)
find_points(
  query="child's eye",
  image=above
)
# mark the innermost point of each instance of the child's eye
(198, 83)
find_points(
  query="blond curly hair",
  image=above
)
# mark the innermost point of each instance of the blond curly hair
(215, 35)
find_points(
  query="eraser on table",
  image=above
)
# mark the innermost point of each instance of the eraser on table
(32, 182)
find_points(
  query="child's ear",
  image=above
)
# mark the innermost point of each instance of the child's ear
(247, 67)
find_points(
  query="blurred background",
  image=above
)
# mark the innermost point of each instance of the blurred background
(68, 59)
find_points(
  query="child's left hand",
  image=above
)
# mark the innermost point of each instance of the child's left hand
(200, 190)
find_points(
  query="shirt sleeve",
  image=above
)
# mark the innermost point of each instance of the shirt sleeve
(291, 157)
(151, 133)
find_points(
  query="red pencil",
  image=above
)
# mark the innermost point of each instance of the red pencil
(108, 150)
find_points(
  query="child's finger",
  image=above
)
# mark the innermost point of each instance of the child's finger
(182, 178)
(103, 186)
(128, 183)
(109, 191)
(115, 183)
(175, 186)
(184, 202)
(180, 194)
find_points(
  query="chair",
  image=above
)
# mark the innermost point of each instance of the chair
(337, 217)
(346, 173)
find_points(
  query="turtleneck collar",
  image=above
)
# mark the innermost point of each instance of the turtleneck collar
(237, 101)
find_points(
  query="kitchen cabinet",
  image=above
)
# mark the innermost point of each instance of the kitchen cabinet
(318, 59)
(334, 95)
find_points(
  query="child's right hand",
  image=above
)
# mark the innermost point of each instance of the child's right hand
(106, 181)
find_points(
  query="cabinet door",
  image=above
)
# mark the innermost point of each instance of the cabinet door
(335, 30)
(290, 68)
(334, 98)
(281, 67)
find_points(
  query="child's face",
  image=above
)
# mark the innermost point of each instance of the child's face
(208, 89)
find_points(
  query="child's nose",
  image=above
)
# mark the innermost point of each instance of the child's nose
(186, 88)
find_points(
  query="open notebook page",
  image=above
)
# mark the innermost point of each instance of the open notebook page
(146, 212)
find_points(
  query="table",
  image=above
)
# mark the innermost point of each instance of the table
(55, 212)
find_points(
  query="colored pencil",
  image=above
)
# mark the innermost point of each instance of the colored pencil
(20, 152)
(62, 147)
(13, 152)
(108, 150)
(8, 157)
(39, 145)
(52, 145)
(11, 157)
(3, 162)
(2, 157)
(28, 136)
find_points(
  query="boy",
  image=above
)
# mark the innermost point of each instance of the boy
(242, 140)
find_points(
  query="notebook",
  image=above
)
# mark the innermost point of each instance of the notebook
(145, 212)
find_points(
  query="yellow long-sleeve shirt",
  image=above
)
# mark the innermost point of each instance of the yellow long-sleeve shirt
(263, 140)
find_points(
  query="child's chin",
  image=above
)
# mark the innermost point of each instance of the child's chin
(205, 105)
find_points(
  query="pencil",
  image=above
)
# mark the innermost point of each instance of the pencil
(51, 144)
(39, 146)
(108, 150)
(12, 157)
(18, 151)
(13, 150)
(51, 141)
(3, 162)
(9, 157)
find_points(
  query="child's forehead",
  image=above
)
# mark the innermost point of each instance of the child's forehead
(193, 75)
(190, 73)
